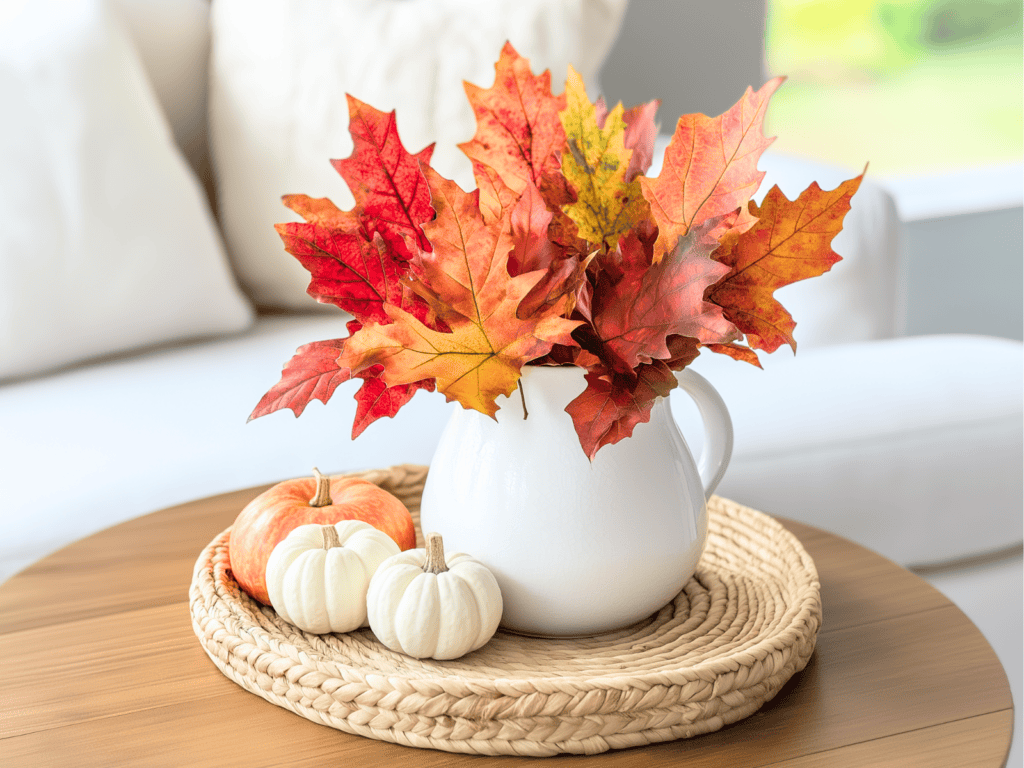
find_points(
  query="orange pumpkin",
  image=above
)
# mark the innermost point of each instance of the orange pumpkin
(276, 512)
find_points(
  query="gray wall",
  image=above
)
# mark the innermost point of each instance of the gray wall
(965, 274)
(694, 56)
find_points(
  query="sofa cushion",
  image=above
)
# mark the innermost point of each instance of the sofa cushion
(91, 447)
(106, 241)
(172, 38)
(278, 113)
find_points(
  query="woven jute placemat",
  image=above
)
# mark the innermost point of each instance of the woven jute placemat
(743, 625)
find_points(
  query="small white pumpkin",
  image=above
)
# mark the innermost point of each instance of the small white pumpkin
(425, 606)
(317, 575)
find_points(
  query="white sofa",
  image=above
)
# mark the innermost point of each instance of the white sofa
(911, 446)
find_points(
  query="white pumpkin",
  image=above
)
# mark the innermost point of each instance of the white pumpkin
(317, 575)
(426, 606)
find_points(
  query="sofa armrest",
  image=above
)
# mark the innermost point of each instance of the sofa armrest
(911, 446)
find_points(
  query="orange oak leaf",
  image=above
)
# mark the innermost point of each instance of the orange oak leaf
(613, 403)
(790, 241)
(637, 310)
(467, 270)
(594, 163)
(385, 179)
(518, 132)
(496, 197)
(322, 212)
(710, 168)
(736, 352)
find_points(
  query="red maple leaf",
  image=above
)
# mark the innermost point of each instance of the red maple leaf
(638, 305)
(390, 191)
(613, 403)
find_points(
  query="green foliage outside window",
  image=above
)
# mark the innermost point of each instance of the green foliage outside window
(911, 85)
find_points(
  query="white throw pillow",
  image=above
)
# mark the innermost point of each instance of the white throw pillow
(106, 240)
(279, 74)
(172, 38)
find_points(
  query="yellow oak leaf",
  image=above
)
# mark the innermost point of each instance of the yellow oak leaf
(595, 162)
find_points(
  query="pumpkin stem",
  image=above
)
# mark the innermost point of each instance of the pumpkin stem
(322, 498)
(331, 537)
(435, 555)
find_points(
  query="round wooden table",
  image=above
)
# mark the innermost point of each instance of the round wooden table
(99, 666)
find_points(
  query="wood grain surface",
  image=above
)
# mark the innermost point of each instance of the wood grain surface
(99, 667)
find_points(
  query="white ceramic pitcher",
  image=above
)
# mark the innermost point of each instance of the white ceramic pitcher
(577, 547)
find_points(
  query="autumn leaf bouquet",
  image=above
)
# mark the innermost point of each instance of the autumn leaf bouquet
(565, 254)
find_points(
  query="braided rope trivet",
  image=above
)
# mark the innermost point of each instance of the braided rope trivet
(737, 632)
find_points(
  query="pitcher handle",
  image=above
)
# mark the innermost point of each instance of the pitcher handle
(717, 450)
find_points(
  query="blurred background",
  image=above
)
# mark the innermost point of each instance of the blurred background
(928, 93)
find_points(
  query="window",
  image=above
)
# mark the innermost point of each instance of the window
(909, 85)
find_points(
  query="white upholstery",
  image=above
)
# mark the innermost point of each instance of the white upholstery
(278, 113)
(896, 467)
(910, 446)
(106, 241)
(172, 38)
(91, 447)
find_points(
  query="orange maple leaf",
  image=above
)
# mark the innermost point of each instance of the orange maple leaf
(518, 132)
(710, 169)
(790, 241)
(466, 280)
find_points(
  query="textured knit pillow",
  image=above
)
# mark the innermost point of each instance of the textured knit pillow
(280, 71)
(106, 241)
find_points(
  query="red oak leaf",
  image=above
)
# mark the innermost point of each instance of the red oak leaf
(613, 403)
(385, 179)
(635, 311)
(356, 260)
(313, 374)
(641, 131)
(790, 241)
(710, 168)
(375, 399)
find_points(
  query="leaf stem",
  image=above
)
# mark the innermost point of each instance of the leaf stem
(522, 396)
